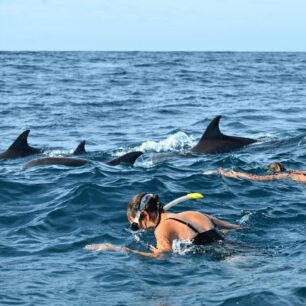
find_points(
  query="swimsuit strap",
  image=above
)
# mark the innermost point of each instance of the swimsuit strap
(158, 221)
(186, 223)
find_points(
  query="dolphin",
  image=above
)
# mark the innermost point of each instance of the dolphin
(20, 147)
(64, 161)
(213, 141)
(128, 158)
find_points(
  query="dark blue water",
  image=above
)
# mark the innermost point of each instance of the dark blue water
(159, 103)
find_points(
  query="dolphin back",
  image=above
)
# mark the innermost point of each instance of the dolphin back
(64, 161)
(213, 141)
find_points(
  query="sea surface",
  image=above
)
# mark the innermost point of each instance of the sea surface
(159, 103)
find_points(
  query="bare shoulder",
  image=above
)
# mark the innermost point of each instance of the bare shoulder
(190, 213)
(170, 227)
(165, 233)
(165, 228)
(195, 217)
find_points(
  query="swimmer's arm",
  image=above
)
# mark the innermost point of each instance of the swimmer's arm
(163, 244)
(254, 177)
(156, 252)
(232, 173)
(164, 238)
(235, 174)
(223, 224)
(110, 247)
(147, 254)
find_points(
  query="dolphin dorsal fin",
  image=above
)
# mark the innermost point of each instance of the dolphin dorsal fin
(128, 158)
(213, 130)
(80, 148)
(21, 142)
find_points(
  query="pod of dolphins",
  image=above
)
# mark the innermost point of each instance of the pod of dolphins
(211, 142)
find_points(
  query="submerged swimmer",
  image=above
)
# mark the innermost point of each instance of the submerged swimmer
(145, 211)
(279, 172)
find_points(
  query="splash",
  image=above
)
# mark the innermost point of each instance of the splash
(183, 247)
(58, 153)
(146, 163)
(246, 218)
(177, 142)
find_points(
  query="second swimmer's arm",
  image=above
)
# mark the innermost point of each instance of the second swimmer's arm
(254, 177)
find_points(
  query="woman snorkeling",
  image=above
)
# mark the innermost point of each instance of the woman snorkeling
(279, 172)
(145, 211)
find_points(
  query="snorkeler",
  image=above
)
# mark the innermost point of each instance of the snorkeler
(279, 172)
(145, 211)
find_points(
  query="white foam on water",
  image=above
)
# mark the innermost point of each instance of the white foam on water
(268, 137)
(179, 141)
(147, 163)
(245, 219)
(302, 142)
(238, 260)
(58, 153)
(183, 247)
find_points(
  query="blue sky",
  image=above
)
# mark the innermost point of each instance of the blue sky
(153, 25)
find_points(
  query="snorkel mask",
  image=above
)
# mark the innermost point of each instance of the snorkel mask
(144, 201)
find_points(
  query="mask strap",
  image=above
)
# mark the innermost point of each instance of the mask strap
(144, 201)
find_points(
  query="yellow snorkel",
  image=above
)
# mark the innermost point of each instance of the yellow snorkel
(189, 196)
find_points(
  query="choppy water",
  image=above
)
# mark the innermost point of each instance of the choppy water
(159, 103)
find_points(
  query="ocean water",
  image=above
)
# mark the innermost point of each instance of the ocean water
(159, 103)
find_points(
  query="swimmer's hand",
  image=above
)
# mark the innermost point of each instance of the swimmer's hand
(104, 247)
(209, 172)
(153, 248)
(218, 171)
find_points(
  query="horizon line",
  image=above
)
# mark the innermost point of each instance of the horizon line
(157, 51)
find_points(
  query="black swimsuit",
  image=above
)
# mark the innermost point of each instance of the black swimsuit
(209, 236)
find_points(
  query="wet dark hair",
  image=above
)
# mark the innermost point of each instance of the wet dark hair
(154, 205)
(276, 167)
